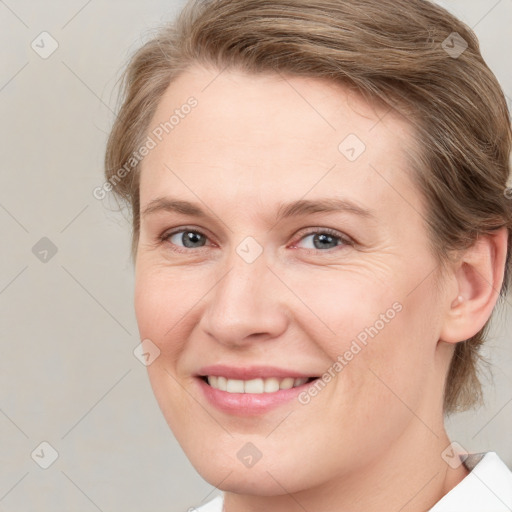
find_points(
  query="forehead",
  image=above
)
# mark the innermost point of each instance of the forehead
(271, 135)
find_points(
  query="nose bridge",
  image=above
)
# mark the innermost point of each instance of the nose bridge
(244, 301)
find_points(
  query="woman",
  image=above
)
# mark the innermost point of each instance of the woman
(320, 235)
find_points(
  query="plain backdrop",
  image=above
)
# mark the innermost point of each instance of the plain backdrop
(68, 375)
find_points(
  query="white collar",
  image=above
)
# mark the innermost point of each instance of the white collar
(487, 488)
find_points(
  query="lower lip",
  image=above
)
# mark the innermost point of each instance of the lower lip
(246, 404)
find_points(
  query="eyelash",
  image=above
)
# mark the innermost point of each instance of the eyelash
(344, 239)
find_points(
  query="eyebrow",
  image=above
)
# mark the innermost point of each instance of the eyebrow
(286, 210)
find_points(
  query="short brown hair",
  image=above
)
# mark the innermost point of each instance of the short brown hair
(396, 52)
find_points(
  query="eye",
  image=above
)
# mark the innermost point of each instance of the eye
(324, 239)
(185, 239)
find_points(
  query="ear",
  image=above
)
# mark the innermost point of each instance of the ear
(479, 275)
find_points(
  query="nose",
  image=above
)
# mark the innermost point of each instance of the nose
(247, 304)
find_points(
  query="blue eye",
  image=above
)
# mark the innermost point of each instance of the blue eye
(189, 239)
(324, 239)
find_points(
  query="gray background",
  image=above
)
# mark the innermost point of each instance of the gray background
(68, 375)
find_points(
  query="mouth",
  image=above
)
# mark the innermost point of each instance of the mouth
(254, 386)
(252, 391)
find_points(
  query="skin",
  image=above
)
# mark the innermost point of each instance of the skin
(372, 439)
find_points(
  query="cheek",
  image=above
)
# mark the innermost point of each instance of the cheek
(380, 340)
(381, 382)
(344, 309)
(394, 374)
(162, 301)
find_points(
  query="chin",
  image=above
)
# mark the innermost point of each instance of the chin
(257, 484)
(265, 478)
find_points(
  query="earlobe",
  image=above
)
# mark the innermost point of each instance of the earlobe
(479, 276)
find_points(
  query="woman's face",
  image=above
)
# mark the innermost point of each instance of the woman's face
(281, 237)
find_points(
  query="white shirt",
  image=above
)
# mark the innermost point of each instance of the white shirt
(487, 488)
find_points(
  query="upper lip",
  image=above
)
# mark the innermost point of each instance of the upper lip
(250, 372)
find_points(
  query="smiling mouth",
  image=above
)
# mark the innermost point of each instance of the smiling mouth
(255, 386)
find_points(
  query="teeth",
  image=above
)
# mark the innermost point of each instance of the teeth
(235, 386)
(271, 385)
(222, 383)
(287, 383)
(256, 386)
